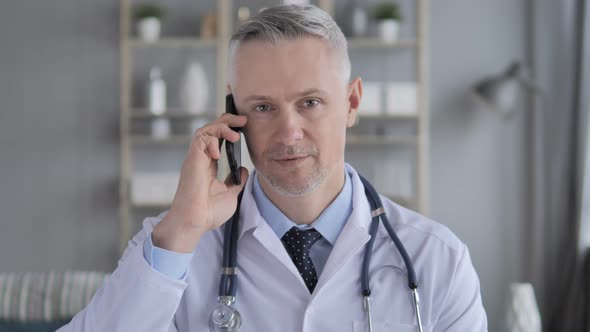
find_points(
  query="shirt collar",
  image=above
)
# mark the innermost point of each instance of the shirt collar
(329, 224)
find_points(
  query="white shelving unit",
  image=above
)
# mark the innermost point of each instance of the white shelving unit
(418, 142)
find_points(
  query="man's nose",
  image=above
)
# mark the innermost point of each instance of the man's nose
(289, 126)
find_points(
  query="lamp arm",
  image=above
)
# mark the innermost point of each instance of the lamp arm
(532, 85)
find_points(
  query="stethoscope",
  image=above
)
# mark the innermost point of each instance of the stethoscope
(227, 318)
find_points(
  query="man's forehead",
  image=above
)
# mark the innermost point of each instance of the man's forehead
(311, 43)
(290, 67)
(252, 89)
(301, 53)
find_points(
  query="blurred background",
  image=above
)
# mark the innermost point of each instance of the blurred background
(475, 113)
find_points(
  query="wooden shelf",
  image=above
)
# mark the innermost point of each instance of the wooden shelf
(140, 113)
(366, 42)
(171, 140)
(351, 140)
(170, 114)
(386, 116)
(176, 42)
(151, 205)
(407, 202)
(417, 137)
(375, 140)
(404, 201)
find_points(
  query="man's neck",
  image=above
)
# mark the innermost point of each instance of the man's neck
(307, 208)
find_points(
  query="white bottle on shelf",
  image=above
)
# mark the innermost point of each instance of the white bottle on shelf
(194, 89)
(359, 21)
(160, 128)
(156, 92)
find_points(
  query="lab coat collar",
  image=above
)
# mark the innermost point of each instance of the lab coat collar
(354, 235)
(329, 224)
(350, 242)
(250, 217)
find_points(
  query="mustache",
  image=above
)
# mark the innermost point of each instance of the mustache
(281, 150)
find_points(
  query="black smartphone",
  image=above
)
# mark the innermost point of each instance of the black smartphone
(233, 150)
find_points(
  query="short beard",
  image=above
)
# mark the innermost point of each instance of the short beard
(314, 182)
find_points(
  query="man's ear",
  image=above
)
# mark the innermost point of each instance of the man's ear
(355, 93)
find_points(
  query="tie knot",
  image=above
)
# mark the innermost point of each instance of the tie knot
(301, 239)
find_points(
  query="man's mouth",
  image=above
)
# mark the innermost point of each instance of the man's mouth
(291, 160)
(291, 157)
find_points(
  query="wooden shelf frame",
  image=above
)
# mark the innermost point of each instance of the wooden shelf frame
(128, 43)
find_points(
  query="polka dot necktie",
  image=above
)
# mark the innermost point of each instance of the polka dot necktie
(298, 243)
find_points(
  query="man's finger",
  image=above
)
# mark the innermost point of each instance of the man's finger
(206, 144)
(218, 130)
(232, 120)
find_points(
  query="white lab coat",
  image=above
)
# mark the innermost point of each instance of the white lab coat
(271, 295)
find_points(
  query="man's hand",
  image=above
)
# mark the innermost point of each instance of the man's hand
(201, 202)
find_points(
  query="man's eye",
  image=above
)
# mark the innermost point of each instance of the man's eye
(262, 108)
(311, 102)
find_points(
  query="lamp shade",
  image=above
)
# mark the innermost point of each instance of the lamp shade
(500, 93)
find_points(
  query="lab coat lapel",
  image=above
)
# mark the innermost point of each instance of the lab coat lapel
(250, 218)
(351, 240)
(354, 235)
(269, 240)
(249, 215)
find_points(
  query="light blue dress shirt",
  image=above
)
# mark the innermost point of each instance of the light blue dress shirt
(329, 224)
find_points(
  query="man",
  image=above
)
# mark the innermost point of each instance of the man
(290, 79)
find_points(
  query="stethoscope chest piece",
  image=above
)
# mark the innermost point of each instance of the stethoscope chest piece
(225, 318)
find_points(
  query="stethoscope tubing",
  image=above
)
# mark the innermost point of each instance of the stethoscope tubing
(228, 281)
(376, 204)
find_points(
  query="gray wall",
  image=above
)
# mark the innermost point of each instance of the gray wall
(58, 135)
(59, 143)
(478, 160)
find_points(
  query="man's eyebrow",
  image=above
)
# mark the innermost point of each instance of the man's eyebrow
(299, 94)
(311, 91)
(256, 98)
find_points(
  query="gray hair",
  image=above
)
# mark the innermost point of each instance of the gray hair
(289, 22)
